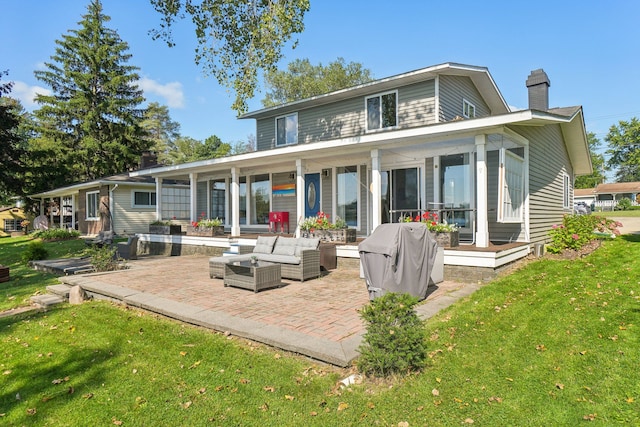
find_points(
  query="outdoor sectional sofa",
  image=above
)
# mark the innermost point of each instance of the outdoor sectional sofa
(299, 258)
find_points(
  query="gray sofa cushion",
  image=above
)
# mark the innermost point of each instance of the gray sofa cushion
(306, 243)
(280, 259)
(264, 244)
(232, 258)
(285, 246)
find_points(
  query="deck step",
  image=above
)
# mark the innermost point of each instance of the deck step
(47, 300)
(60, 290)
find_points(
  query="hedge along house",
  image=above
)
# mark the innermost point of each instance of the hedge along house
(440, 138)
(121, 203)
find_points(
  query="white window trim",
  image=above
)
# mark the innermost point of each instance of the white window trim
(285, 143)
(92, 218)
(366, 111)
(466, 109)
(136, 206)
(505, 210)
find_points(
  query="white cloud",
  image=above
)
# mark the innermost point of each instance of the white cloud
(171, 92)
(27, 94)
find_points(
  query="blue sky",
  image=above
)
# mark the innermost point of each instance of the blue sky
(590, 50)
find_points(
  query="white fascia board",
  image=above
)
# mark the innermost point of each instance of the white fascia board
(372, 140)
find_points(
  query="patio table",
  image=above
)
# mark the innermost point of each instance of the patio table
(252, 276)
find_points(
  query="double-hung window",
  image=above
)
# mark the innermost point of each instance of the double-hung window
(468, 109)
(144, 199)
(12, 225)
(287, 129)
(93, 198)
(382, 111)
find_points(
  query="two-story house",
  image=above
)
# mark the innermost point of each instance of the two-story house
(439, 138)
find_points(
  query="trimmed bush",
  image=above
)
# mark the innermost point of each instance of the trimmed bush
(35, 251)
(104, 258)
(395, 341)
(578, 230)
(56, 234)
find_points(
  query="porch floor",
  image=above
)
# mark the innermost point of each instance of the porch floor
(316, 318)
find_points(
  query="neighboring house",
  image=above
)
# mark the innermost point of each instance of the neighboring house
(124, 204)
(10, 219)
(607, 196)
(438, 138)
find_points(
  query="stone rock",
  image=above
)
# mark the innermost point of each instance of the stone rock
(76, 295)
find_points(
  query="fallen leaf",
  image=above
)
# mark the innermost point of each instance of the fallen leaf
(88, 395)
(264, 407)
(269, 388)
(313, 413)
(403, 424)
(342, 406)
(289, 397)
(116, 422)
(590, 417)
(630, 400)
(186, 404)
(244, 381)
(468, 421)
(183, 353)
(438, 380)
(7, 372)
(195, 364)
(435, 392)
(203, 390)
(509, 379)
(31, 411)
(560, 386)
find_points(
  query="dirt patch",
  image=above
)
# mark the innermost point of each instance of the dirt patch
(570, 254)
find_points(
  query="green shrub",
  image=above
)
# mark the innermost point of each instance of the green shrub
(395, 341)
(35, 251)
(578, 230)
(56, 234)
(624, 204)
(104, 258)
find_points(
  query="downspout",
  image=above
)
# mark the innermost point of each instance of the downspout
(111, 217)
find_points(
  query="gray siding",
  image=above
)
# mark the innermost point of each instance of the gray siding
(548, 162)
(428, 180)
(452, 91)
(326, 196)
(416, 107)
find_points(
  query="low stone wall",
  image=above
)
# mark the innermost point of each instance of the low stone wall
(176, 249)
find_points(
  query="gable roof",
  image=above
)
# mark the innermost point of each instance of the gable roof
(618, 187)
(123, 178)
(479, 75)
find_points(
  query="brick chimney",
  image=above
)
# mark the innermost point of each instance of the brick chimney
(148, 159)
(538, 84)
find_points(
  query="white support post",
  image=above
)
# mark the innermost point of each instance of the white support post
(159, 199)
(300, 190)
(235, 202)
(376, 190)
(482, 217)
(193, 190)
(437, 185)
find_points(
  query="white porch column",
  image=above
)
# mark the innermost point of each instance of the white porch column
(436, 182)
(235, 201)
(300, 190)
(482, 221)
(73, 211)
(193, 196)
(159, 199)
(376, 190)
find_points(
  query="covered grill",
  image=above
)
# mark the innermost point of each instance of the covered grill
(398, 258)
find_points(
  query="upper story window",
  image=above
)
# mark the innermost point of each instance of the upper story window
(287, 129)
(144, 199)
(382, 111)
(468, 109)
(93, 198)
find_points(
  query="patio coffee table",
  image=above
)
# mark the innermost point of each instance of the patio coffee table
(255, 277)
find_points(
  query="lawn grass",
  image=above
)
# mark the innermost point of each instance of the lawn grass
(554, 343)
(26, 282)
(633, 213)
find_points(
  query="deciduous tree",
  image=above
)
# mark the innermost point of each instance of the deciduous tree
(236, 38)
(302, 80)
(91, 121)
(597, 162)
(624, 149)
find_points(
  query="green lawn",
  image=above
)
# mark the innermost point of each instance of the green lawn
(555, 343)
(635, 213)
(26, 282)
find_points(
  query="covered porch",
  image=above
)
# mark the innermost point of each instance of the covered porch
(476, 178)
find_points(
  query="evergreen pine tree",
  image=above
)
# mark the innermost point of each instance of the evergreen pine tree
(11, 148)
(91, 121)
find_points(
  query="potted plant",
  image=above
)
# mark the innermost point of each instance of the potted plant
(164, 227)
(447, 235)
(319, 226)
(205, 227)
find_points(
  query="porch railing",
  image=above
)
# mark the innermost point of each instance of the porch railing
(466, 226)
